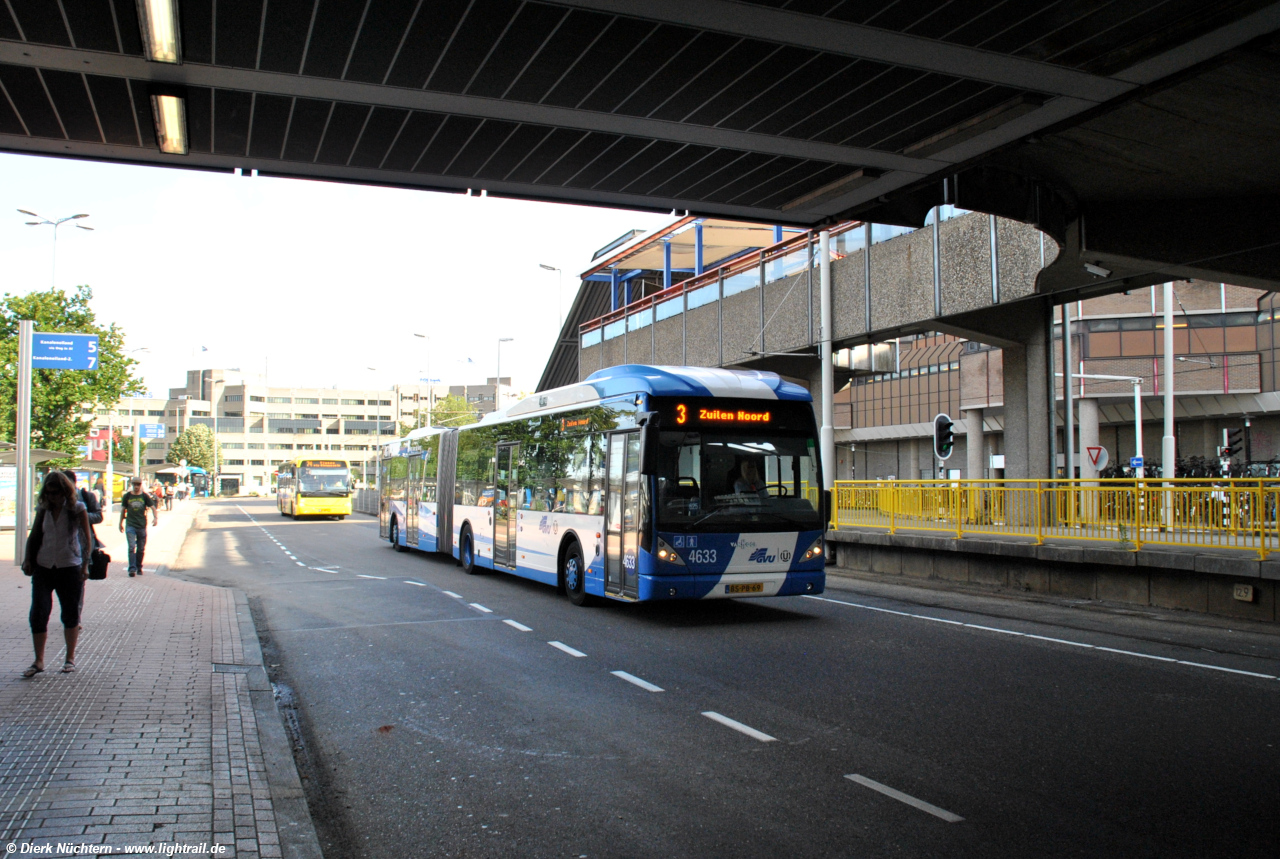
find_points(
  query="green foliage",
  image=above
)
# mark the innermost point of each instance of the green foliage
(453, 411)
(59, 397)
(195, 444)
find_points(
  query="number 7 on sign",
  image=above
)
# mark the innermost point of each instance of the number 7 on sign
(93, 354)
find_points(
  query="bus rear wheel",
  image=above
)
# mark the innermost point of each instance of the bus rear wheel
(467, 551)
(574, 575)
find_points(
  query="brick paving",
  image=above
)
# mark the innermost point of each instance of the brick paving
(154, 740)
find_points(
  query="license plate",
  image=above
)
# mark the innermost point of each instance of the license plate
(752, 588)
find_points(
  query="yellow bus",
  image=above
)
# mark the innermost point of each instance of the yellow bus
(314, 487)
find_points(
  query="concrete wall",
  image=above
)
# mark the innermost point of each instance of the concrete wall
(1199, 583)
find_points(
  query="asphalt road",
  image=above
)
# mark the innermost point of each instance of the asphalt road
(441, 714)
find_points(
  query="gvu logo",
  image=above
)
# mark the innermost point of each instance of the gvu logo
(760, 556)
(543, 526)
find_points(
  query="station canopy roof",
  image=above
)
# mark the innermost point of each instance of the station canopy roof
(776, 111)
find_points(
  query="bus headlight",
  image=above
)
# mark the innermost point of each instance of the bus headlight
(815, 550)
(668, 554)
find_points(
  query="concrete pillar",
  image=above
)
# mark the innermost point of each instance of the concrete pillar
(1026, 403)
(1088, 417)
(975, 467)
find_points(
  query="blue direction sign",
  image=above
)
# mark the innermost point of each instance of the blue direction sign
(1135, 462)
(150, 431)
(64, 351)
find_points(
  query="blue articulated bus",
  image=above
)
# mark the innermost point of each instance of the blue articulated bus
(639, 483)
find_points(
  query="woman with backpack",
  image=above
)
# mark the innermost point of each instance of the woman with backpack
(57, 559)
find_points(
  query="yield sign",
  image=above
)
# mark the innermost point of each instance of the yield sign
(1098, 457)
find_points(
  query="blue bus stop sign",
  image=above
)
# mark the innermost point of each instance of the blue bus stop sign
(64, 351)
(1135, 462)
(150, 431)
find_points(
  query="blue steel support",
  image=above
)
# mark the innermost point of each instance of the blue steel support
(777, 233)
(613, 288)
(697, 248)
(666, 264)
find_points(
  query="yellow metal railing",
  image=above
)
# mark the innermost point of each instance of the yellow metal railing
(1191, 513)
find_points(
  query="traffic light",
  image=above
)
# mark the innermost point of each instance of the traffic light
(943, 437)
(1235, 442)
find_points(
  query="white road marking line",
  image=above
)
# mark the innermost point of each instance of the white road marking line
(518, 625)
(452, 594)
(363, 576)
(631, 678)
(300, 564)
(322, 570)
(907, 798)
(478, 607)
(1080, 644)
(566, 648)
(412, 582)
(738, 726)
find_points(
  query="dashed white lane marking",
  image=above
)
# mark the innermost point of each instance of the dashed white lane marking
(631, 678)
(363, 576)
(1049, 639)
(478, 607)
(412, 582)
(518, 625)
(907, 798)
(322, 570)
(300, 564)
(566, 648)
(738, 726)
(452, 594)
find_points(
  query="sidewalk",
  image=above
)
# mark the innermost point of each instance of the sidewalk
(166, 739)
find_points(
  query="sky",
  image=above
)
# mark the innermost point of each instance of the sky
(311, 282)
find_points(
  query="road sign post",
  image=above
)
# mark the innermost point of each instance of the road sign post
(39, 350)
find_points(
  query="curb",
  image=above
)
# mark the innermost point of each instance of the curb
(298, 839)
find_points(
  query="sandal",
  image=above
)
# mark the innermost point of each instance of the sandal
(32, 671)
(68, 668)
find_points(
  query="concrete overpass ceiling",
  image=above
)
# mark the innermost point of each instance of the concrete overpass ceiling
(791, 111)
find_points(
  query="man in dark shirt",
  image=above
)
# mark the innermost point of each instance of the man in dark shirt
(133, 522)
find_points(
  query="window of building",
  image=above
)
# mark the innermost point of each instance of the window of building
(279, 399)
(155, 462)
(331, 431)
(329, 401)
(254, 399)
(233, 445)
(353, 417)
(329, 416)
(306, 447)
(355, 447)
(225, 414)
(255, 445)
(141, 413)
(104, 411)
(310, 417)
(234, 462)
(234, 398)
(155, 413)
(380, 402)
(275, 445)
(257, 462)
(173, 413)
(359, 432)
(311, 401)
(353, 402)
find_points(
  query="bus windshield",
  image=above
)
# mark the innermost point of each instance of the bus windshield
(738, 480)
(323, 480)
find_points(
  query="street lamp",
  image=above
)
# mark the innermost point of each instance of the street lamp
(430, 381)
(377, 444)
(497, 382)
(559, 290)
(43, 221)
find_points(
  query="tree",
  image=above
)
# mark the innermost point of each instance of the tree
(453, 411)
(195, 444)
(60, 397)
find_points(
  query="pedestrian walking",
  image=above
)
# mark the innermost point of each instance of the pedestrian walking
(133, 522)
(58, 561)
(168, 496)
(91, 506)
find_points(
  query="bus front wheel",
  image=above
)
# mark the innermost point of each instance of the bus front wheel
(467, 551)
(574, 575)
(395, 536)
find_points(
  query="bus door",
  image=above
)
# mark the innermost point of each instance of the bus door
(412, 492)
(622, 515)
(506, 491)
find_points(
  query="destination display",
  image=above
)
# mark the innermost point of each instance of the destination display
(723, 413)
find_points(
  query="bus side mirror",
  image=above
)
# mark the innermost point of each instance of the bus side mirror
(648, 442)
